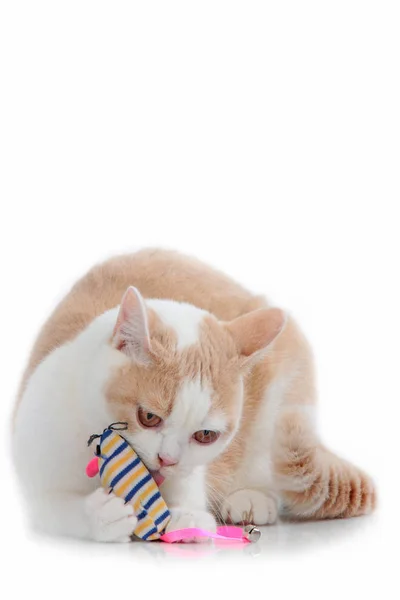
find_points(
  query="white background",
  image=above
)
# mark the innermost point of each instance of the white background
(262, 137)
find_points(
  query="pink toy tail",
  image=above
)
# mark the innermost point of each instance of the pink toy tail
(227, 532)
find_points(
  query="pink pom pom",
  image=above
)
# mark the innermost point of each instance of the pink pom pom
(92, 467)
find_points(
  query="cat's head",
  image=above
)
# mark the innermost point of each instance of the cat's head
(180, 385)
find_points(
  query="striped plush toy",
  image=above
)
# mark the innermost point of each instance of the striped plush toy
(122, 471)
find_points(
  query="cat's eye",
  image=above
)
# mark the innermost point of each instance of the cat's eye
(206, 436)
(147, 418)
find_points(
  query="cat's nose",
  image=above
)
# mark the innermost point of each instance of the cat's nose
(166, 460)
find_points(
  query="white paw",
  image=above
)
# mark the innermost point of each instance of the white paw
(182, 518)
(249, 506)
(110, 519)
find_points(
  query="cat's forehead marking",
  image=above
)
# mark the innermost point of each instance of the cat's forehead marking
(191, 406)
(184, 320)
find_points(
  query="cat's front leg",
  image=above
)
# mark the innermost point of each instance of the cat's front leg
(247, 495)
(187, 501)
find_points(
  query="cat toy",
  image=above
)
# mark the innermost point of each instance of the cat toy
(122, 471)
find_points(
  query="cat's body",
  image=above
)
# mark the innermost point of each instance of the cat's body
(218, 391)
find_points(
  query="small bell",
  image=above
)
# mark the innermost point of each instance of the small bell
(252, 533)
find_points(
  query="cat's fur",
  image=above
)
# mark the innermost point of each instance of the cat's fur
(202, 353)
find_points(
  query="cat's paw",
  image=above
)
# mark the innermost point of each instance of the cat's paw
(182, 518)
(110, 519)
(249, 506)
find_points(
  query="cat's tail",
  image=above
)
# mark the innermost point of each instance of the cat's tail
(313, 482)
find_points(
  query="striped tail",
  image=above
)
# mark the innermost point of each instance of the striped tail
(314, 483)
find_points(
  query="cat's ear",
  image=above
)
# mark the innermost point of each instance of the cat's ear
(131, 331)
(255, 331)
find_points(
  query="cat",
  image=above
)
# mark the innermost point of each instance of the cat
(218, 391)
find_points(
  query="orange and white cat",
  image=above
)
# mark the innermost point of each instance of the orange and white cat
(217, 389)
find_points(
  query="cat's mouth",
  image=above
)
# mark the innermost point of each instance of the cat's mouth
(158, 478)
(155, 473)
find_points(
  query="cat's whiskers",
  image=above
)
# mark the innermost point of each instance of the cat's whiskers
(217, 501)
